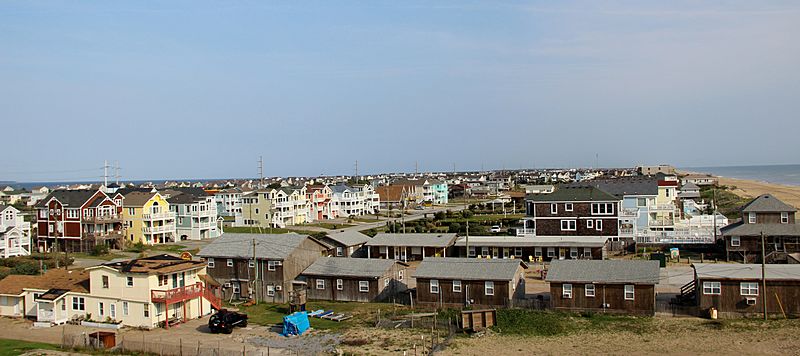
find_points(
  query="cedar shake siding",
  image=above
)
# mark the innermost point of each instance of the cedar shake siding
(505, 279)
(721, 287)
(613, 295)
(350, 292)
(772, 217)
(345, 279)
(473, 293)
(574, 211)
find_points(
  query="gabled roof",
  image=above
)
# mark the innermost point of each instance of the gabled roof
(746, 271)
(468, 269)
(268, 246)
(349, 267)
(69, 198)
(690, 186)
(158, 264)
(137, 198)
(4, 207)
(349, 238)
(341, 188)
(623, 186)
(573, 193)
(767, 203)
(603, 271)
(410, 240)
(72, 280)
(739, 228)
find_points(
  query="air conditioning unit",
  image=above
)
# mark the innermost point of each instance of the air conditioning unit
(606, 305)
(227, 285)
(751, 301)
(278, 287)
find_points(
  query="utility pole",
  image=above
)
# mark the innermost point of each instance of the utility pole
(255, 280)
(763, 275)
(416, 168)
(355, 178)
(105, 174)
(260, 172)
(116, 172)
(466, 207)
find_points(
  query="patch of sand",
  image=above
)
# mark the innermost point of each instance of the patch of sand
(751, 189)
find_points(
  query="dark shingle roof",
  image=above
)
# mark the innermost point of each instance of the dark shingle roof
(137, 198)
(624, 186)
(349, 267)
(349, 238)
(603, 271)
(767, 203)
(573, 193)
(268, 246)
(70, 198)
(424, 240)
(746, 271)
(741, 229)
(468, 269)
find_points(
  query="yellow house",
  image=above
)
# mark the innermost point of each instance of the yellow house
(146, 218)
(148, 292)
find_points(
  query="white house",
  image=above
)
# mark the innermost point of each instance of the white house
(15, 233)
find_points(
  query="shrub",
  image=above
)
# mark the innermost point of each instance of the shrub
(99, 250)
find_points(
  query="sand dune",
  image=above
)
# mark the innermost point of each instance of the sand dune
(751, 189)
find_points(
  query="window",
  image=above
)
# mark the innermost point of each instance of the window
(236, 290)
(712, 288)
(471, 251)
(251, 264)
(210, 262)
(271, 265)
(488, 288)
(320, 284)
(113, 310)
(784, 218)
(573, 252)
(598, 225)
(518, 251)
(553, 208)
(751, 218)
(400, 275)
(568, 207)
(125, 308)
(566, 291)
(484, 251)
(568, 225)
(588, 290)
(589, 224)
(641, 202)
(363, 286)
(629, 292)
(386, 282)
(339, 252)
(101, 309)
(270, 291)
(537, 252)
(163, 280)
(748, 288)
(129, 281)
(457, 286)
(105, 282)
(434, 286)
(147, 310)
(736, 241)
(229, 262)
(78, 303)
(131, 211)
(603, 209)
(551, 252)
(339, 284)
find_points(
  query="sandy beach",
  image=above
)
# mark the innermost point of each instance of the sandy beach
(750, 189)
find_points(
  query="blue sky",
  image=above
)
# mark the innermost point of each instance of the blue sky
(192, 89)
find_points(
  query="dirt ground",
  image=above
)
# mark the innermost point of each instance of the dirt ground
(750, 188)
(681, 336)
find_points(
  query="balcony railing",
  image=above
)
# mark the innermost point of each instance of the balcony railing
(103, 236)
(629, 212)
(158, 229)
(204, 224)
(676, 237)
(177, 294)
(658, 223)
(626, 231)
(206, 212)
(662, 207)
(524, 232)
(158, 216)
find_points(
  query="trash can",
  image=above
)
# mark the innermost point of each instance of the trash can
(660, 257)
(712, 313)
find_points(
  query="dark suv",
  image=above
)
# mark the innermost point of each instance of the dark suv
(224, 321)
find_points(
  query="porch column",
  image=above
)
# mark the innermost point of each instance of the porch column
(166, 315)
(369, 254)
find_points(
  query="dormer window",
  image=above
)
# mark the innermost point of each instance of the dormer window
(784, 218)
(751, 218)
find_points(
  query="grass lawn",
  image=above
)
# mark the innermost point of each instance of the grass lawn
(16, 347)
(363, 313)
(330, 226)
(106, 257)
(485, 218)
(267, 230)
(368, 219)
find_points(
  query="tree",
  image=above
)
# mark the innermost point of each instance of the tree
(454, 228)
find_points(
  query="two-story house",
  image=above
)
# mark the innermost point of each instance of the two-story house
(260, 266)
(768, 216)
(229, 202)
(15, 233)
(637, 195)
(319, 199)
(147, 218)
(78, 219)
(195, 213)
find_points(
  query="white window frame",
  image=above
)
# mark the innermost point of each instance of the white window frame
(471, 252)
(588, 290)
(400, 275)
(784, 217)
(320, 283)
(736, 241)
(339, 251)
(101, 309)
(251, 264)
(339, 284)
(456, 286)
(573, 253)
(129, 281)
(210, 262)
(79, 303)
(568, 207)
(712, 288)
(434, 286)
(590, 224)
(518, 251)
(551, 252)
(488, 288)
(631, 292)
(553, 208)
(569, 225)
(537, 252)
(602, 208)
(125, 308)
(484, 251)
(363, 286)
(566, 291)
(271, 265)
(229, 262)
(146, 311)
(749, 289)
(598, 225)
(751, 218)
(270, 291)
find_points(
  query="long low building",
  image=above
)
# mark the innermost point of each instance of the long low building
(532, 248)
(460, 282)
(355, 279)
(409, 247)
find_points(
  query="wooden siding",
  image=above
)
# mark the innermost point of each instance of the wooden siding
(767, 218)
(731, 303)
(413, 253)
(597, 253)
(749, 249)
(504, 294)
(611, 294)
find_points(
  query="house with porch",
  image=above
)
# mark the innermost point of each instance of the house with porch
(147, 218)
(78, 220)
(532, 248)
(409, 247)
(768, 216)
(346, 243)
(195, 214)
(15, 233)
(573, 211)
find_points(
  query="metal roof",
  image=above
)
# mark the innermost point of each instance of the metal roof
(603, 271)
(349, 267)
(422, 240)
(268, 246)
(470, 269)
(746, 271)
(767, 203)
(539, 241)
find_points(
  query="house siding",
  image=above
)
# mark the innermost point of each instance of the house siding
(611, 294)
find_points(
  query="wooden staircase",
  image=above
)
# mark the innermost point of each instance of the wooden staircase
(215, 301)
(688, 294)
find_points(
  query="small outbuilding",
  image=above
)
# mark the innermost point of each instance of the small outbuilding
(354, 279)
(460, 282)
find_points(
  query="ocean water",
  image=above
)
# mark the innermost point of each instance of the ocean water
(788, 174)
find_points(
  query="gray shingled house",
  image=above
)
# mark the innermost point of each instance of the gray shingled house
(459, 282)
(355, 279)
(772, 217)
(279, 259)
(346, 243)
(614, 286)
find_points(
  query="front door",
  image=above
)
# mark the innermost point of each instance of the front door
(506, 253)
(562, 253)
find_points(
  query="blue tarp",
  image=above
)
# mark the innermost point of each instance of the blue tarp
(295, 324)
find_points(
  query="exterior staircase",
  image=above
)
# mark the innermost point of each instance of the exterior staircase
(688, 294)
(215, 301)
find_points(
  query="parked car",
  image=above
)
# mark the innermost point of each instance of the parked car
(224, 321)
(495, 228)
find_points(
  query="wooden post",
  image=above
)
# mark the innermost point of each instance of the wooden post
(180, 347)
(244, 349)
(764, 274)
(198, 348)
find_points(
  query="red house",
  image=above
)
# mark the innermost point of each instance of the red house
(78, 220)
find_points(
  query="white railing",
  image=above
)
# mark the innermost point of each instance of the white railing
(662, 207)
(158, 229)
(675, 237)
(629, 212)
(158, 216)
(204, 224)
(525, 232)
(626, 231)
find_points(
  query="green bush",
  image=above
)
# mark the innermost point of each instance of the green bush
(99, 250)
